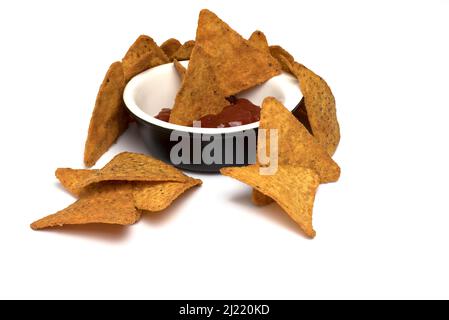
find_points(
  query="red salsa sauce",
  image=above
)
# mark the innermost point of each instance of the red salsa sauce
(238, 113)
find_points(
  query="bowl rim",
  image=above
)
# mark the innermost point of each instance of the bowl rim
(136, 111)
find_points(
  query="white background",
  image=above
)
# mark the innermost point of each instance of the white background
(382, 230)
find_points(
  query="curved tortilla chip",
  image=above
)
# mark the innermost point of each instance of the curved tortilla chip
(295, 144)
(157, 196)
(184, 52)
(292, 187)
(128, 166)
(109, 118)
(142, 55)
(319, 104)
(238, 64)
(124, 167)
(260, 199)
(170, 46)
(110, 203)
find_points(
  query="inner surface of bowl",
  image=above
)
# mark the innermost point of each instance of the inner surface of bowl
(152, 90)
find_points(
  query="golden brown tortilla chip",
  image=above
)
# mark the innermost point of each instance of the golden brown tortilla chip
(292, 187)
(128, 166)
(184, 52)
(72, 178)
(300, 113)
(170, 46)
(200, 94)
(320, 106)
(142, 55)
(124, 167)
(180, 69)
(140, 167)
(259, 40)
(238, 64)
(157, 196)
(278, 52)
(109, 118)
(295, 144)
(110, 203)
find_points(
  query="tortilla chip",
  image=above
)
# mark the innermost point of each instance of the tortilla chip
(109, 118)
(300, 113)
(292, 187)
(259, 199)
(139, 167)
(157, 196)
(180, 69)
(319, 105)
(200, 94)
(278, 52)
(295, 144)
(184, 52)
(72, 178)
(110, 203)
(170, 46)
(128, 166)
(258, 40)
(142, 55)
(237, 63)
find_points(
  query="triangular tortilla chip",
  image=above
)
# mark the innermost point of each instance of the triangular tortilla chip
(142, 55)
(238, 64)
(260, 199)
(139, 167)
(110, 203)
(295, 144)
(200, 94)
(319, 104)
(184, 52)
(170, 46)
(157, 196)
(109, 118)
(128, 166)
(259, 40)
(292, 187)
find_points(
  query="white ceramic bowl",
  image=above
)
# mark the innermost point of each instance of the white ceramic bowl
(147, 93)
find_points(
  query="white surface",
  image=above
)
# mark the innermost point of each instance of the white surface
(144, 97)
(382, 230)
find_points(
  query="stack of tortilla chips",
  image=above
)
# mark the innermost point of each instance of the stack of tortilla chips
(118, 193)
